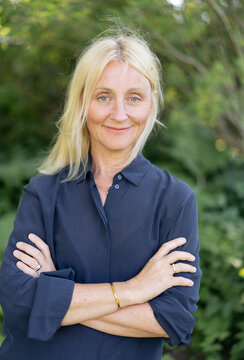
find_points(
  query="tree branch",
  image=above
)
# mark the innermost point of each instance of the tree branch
(227, 26)
(171, 51)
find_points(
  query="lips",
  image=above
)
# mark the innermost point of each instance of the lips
(117, 130)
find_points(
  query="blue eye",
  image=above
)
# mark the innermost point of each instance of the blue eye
(135, 99)
(103, 98)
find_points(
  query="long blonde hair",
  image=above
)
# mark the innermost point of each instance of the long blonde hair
(72, 142)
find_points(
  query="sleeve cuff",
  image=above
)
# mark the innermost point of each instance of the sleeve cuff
(176, 321)
(52, 299)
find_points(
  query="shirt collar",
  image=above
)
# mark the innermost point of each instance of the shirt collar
(133, 172)
(84, 174)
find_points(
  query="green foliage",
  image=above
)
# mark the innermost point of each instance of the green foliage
(220, 316)
(167, 357)
(13, 175)
(1, 321)
(6, 225)
(203, 68)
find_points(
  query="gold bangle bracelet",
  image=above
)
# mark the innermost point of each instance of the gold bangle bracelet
(115, 295)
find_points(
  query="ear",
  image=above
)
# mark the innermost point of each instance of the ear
(156, 93)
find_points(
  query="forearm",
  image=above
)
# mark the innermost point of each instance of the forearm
(132, 321)
(91, 301)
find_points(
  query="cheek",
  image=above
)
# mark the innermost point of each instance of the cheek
(95, 115)
(91, 124)
(141, 116)
(141, 113)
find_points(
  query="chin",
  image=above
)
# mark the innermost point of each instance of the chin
(124, 146)
(118, 149)
(118, 145)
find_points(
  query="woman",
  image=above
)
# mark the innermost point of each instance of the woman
(103, 259)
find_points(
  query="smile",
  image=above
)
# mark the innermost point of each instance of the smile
(117, 130)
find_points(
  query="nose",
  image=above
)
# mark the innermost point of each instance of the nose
(119, 111)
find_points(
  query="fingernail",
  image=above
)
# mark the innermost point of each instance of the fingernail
(18, 244)
(31, 236)
(192, 283)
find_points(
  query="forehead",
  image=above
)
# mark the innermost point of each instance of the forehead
(120, 75)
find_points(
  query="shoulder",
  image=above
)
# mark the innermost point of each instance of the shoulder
(166, 183)
(173, 195)
(44, 184)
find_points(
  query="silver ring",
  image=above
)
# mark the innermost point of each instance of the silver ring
(38, 267)
(174, 268)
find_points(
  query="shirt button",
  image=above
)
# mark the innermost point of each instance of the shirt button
(116, 186)
(119, 177)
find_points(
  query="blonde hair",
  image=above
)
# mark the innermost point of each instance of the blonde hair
(72, 142)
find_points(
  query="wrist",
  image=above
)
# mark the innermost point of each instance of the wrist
(115, 295)
(135, 293)
(127, 293)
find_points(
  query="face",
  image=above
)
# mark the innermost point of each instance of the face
(119, 108)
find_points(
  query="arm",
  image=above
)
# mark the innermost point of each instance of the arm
(94, 305)
(133, 321)
(174, 308)
(36, 306)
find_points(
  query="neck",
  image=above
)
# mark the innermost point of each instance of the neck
(106, 164)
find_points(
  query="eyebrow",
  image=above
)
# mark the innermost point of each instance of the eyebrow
(129, 90)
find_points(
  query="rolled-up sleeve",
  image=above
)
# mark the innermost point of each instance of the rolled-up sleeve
(174, 308)
(33, 305)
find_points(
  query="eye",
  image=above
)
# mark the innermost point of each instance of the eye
(135, 98)
(103, 98)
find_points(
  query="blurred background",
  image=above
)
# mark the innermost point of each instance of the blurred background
(201, 47)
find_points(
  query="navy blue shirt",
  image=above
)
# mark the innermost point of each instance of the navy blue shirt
(89, 243)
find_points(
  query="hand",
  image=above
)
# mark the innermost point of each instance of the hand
(30, 257)
(157, 274)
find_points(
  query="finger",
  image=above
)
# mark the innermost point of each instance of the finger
(181, 267)
(39, 243)
(172, 244)
(30, 250)
(181, 281)
(180, 255)
(26, 259)
(26, 269)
